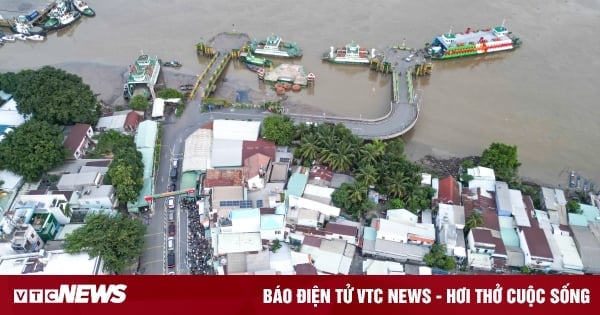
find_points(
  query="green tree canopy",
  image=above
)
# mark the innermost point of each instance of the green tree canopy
(110, 141)
(279, 128)
(573, 206)
(52, 95)
(139, 102)
(437, 258)
(117, 240)
(126, 173)
(473, 220)
(32, 149)
(503, 159)
(169, 93)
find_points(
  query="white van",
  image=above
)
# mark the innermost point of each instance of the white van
(171, 243)
(171, 202)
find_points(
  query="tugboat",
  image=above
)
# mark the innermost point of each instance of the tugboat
(83, 8)
(68, 18)
(274, 46)
(349, 54)
(254, 60)
(472, 42)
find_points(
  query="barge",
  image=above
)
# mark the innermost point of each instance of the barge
(349, 54)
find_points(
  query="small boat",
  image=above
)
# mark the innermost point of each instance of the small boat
(275, 46)
(253, 68)
(68, 18)
(258, 61)
(350, 54)
(172, 64)
(22, 25)
(36, 37)
(83, 8)
(20, 36)
(8, 38)
(472, 42)
(186, 87)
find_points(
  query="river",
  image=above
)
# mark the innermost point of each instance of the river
(540, 97)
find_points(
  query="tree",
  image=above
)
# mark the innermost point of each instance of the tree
(437, 258)
(308, 149)
(110, 141)
(473, 220)
(503, 159)
(139, 102)
(279, 128)
(32, 149)
(117, 240)
(340, 158)
(367, 175)
(126, 174)
(573, 206)
(275, 246)
(53, 95)
(169, 93)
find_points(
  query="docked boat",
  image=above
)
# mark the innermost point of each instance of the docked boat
(253, 68)
(349, 54)
(36, 37)
(22, 25)
(172, 64)
(8, 38)
(83, 8)
(255, 60)
(68, 18)
(20, 36)
(275, 46)
(472, 42)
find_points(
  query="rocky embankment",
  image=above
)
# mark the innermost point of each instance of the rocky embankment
(446, 166)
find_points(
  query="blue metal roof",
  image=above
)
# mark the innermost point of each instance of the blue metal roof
(369, 233)
(271, 222)
(297, 183)
(244, 213)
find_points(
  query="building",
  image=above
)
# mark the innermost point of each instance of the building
(125, 121)
(145, 143)
(318, 193)
(483, 178)
(535, 247)
(450, 223)
(448, 191)
(320, 175)
(236, 130)
(78, 140)
(101, 198)
(26, 239)
(226, 198)
(554, 201)
(297, 182)
(79, 181)
(588, 247)
(158, 106)
(272, 227)
(509, 202)
(9, 115)
(256, 171)
(345, 232)
(198, 148)
(55, 262)
(262, 146)
(217, 178)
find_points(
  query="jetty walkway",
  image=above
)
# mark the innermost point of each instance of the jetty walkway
(401, 63)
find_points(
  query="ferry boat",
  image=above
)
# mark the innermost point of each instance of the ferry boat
(143, 76)
(254, 60)
(275, 46)
(83, 8)
(472, 42)
(350, 54)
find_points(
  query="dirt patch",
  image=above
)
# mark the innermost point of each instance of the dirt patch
(444, 166)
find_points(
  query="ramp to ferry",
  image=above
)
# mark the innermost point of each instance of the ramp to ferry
(220, 49)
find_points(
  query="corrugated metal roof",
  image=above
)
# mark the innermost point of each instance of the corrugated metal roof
(197, 153)
(146, 134)
(297, 182)
(236, 130)
(226, 153)
(189, 180)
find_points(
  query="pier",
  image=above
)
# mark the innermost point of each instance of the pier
(10, 9)
(401, 63)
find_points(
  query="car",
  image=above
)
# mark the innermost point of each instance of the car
(171, 216)
(173, 173)
(172, 187)
(172, 64)
(409, 58)
(171, 243)
(171, 229)
(170, 202)
(171, 259)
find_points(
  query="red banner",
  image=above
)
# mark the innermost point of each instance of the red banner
(288, 295)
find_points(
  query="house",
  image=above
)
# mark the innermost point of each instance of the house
(320, 175)
(26, 240)
(589, 248)
(227, 243)
(331, 257)
(305, 269)
(373, 267)
(262, 146)
(509, 202)
(483, 178)
(55, 262)
(345, 232)
(9, 115)
(485, 245)
(255, 171)
(278, 172)
(554, 201)
(272, 227)
(101, 198)
(450, 223)
(297, 182)
(126, 121)
(448, 191)
(226, 198)
(318, 193)
(216, 178)
(79, 181)
(535, 247)
(78, 140)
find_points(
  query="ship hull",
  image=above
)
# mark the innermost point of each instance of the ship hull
(340, 60)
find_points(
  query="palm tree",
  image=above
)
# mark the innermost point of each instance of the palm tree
(357, 192)
(340, 158)
(367, 175)
(397, 185)
(308, 149)
(475, 219)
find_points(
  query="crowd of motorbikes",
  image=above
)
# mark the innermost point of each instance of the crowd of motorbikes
(199, 253)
